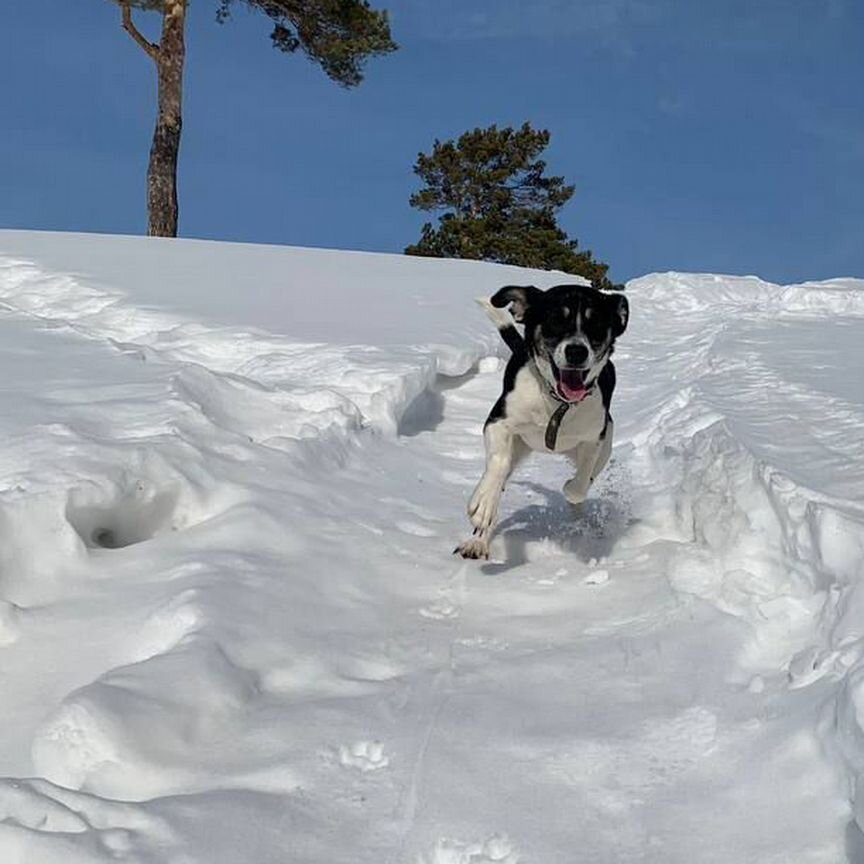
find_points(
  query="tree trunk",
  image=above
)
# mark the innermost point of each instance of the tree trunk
(162, 207)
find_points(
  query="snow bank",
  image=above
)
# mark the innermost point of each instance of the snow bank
(685, 293)
(304, 340)
(758, 430)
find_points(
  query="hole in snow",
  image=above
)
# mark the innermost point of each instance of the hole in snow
(132, 517)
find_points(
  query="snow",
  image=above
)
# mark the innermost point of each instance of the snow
(231, 629)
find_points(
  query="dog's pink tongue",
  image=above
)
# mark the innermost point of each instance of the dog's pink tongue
(571, 393)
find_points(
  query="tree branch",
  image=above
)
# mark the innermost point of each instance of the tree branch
(149, 48)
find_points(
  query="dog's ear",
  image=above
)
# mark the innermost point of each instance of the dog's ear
(620, 313)
(520, 296)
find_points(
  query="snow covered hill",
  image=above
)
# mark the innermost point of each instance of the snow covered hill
(232, 631)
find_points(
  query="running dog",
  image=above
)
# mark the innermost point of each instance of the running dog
(558, 387)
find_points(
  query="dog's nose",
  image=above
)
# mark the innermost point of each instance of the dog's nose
(576, 354)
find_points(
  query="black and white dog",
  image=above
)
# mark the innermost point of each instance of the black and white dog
(557, 391)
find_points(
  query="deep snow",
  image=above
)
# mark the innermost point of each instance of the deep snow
(231, 629)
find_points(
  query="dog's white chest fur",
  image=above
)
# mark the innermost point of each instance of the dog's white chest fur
(530, 407)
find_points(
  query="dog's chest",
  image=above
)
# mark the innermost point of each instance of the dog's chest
(530, 408)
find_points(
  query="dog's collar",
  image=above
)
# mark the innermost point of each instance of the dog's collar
(557, 417)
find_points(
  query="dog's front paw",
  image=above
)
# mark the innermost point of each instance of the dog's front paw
(473, 548)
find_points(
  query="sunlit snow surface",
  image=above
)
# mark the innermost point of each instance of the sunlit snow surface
(232, 630)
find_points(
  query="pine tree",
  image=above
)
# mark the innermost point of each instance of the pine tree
(338, 35)
(498, 203)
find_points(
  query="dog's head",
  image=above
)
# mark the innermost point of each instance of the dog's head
(570, 332)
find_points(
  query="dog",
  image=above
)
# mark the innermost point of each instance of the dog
(557, 393)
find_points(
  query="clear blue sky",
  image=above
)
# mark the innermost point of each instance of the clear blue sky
(711, 135)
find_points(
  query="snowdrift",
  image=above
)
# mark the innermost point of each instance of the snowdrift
(762, 442)
(324, 340)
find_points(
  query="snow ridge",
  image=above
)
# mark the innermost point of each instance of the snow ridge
(772, 521)
(240, 379)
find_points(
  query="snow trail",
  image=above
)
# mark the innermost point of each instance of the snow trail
(232, 630)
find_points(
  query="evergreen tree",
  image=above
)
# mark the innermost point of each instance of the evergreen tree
(498, 203)
(338, 35)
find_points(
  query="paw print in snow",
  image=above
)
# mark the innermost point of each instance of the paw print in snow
(494, 850)
(363, 755)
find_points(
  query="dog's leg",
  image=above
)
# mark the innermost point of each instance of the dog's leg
(503, 452)
(590, 459)
(605, 451)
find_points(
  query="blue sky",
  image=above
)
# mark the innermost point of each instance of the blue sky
(723, 136)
